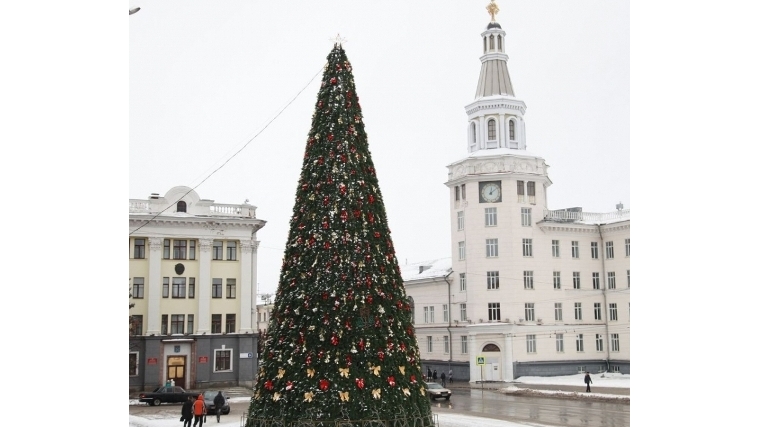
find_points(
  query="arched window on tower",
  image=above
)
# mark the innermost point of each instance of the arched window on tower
(473, 138)
(491, 130)
(181, 206)
(484, 45)
(499, 42)
(511, 130)
(490, 42)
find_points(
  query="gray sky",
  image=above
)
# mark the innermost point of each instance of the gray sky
(205, 77)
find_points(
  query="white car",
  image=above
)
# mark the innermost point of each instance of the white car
(436, 390)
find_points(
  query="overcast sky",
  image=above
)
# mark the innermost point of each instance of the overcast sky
(206, 76)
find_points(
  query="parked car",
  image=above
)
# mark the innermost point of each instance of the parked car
(166, 394)
(436, 390)
(208, 397)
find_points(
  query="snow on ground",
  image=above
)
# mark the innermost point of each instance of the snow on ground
(598, 380)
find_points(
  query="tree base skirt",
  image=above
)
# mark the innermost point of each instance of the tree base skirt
(431, 421)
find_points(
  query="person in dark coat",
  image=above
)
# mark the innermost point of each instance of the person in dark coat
(218, 404)
(187, 412)
(435, 375)
(588, 382)
(443, 379)
(430, 375)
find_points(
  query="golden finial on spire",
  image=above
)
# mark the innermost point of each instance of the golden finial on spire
(492, 9)
(339, 40)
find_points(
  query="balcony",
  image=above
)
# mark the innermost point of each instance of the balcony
(564, 215)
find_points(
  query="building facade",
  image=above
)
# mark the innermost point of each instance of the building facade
(192, 272)
(527, 290)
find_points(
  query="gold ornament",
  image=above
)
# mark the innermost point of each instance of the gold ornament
(280, 373)
(402, 369)
(407, 392)
(376, 393)
(276, 396)
(422, 391)
(375, 369)
(492, 9)
(308, 396)
(343, 396)
(310, 372)
(343, 372)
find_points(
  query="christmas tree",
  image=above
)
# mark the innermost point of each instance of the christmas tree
(340, 343)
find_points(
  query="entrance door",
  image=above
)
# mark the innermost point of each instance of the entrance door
(176, 365)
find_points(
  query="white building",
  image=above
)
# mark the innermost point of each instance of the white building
(529, 291)
(192, 272)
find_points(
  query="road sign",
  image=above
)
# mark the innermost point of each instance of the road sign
(480, 360)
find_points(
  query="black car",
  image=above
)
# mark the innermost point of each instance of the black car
(436, 390)
(208, 398)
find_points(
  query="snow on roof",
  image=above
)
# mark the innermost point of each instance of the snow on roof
(426, 269)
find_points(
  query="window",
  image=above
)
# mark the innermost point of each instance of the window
(575, 249)
(180, 249)
(594, 250)
(595, 280)
(599, 342)
(527, 245)
(494, 311)
(627, 247)
(530, 339)
(490, 42)
(615, 342)
(217, 250)
(216, 323)
(490, 217)
(492, 248)
(560, 340)
(531, 192)
(463, 312)
(462, 282)
(223, 360)
(521, 191)
(461, 251)
(578, 313)
(616, 368)
(429, 314)
(460, 220)
(613, 311)
(139, 249)
(579, 342)
(445, 312)
(558, 311)
(530, 312)
(230, 324)
(511, 126)
(576, 279)
(181, 206)
(609, 250)
(446, 344)
(178, 323)
(492, 279)
(164, 324)
(464, 192)
(167, 248)
(191, 287)
(138, 287)
(555, 248)
(133, 355)
(610, 280)
(525, 217)
(178, 287)
(463, 341)
(597, 311)
(491, 129)
(165, 293)
(473, 137)
(556, 279)
(191, 250)
(498, 39)
(230, 288)
(528, 279)
(456, 193)
(429, 344)
(190, 323)
(216, 288)
(628, 275)
(136, 325)
(231, 251)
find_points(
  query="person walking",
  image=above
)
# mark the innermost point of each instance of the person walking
(218, 404)
(587, 380)
(199, 410)
(435, 375)
(187, 411)
(451, 377)
(430, 375)
(443, 379)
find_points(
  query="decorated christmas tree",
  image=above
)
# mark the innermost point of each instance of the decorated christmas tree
(340, 343)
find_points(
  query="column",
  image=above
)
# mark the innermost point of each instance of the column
(503, 132)
(248, 284)
(203, 290)
(473, 351)
(508, 359)
(155, 285)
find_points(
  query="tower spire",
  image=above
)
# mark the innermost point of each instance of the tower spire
(492, 9)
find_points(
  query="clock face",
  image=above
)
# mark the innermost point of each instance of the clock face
(490, 192)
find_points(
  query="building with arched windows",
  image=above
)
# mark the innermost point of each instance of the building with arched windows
(527, 290)
(192, 272)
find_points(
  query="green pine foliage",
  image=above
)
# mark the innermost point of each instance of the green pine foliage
(340, 343)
